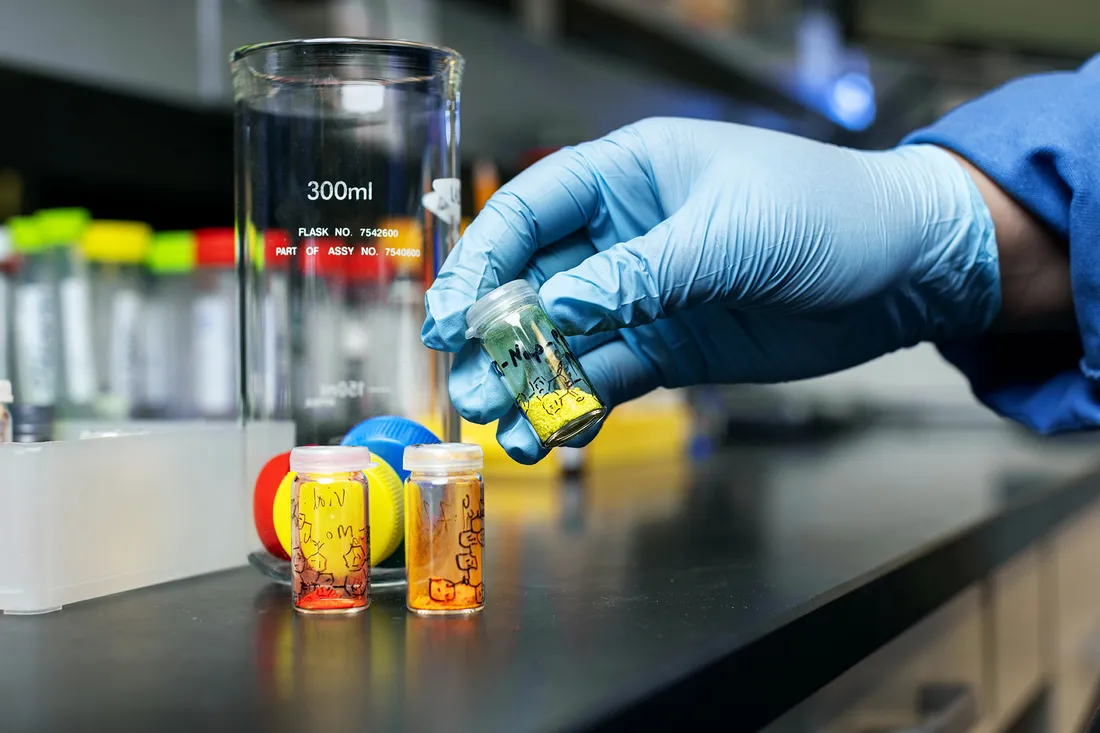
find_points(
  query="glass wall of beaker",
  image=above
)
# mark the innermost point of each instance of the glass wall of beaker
(347, 184)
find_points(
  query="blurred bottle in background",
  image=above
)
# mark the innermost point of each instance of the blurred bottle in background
(326, 397)
(7, 269)
(712, 14)
(166, 382)
(36, 315)
(62, 231)
(6, 433)
(272, 372)
(486, 181)
(214, 345)
(412, 365)
(116, 251)
(365, 329)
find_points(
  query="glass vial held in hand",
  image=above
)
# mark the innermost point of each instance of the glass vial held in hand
(330, 529)
(444, 528)
(531, 356)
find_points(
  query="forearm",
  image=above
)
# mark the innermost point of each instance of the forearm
(1034, 265)
(1031, 146)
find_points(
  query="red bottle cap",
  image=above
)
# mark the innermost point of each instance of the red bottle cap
(263, 498)
(365, 267)
(276, 246)
(326, 261)
(216, 247)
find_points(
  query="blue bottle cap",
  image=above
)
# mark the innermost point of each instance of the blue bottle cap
(387, 436)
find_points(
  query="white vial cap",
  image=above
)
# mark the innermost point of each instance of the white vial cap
(329, 459)
(444, 457)
(5, 392)
(497, 303)
(5, 244)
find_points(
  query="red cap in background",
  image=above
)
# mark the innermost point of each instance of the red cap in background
(216, 247)
(533, 155)
(341, 263)
(274, 240)
(322, 263)
(367, 268)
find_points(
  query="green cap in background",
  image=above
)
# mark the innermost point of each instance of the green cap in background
(171, 253)
(59, 227)
(26, 236)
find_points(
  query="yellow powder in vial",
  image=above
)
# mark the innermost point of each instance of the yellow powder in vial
(551, 412)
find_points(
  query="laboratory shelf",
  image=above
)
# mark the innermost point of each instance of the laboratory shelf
(655, 41)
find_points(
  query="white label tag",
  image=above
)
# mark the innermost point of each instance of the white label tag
(5, 328)
(158, 368)
(76, 332)
(445, 199)
(411, 356)
(276, 347)
(214, 371)
(36, 343)
(125, 344)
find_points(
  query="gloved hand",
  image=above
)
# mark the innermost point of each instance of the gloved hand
(680, 252)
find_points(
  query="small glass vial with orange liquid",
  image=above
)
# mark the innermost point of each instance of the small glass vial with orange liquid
(444, 528)
(330, 529)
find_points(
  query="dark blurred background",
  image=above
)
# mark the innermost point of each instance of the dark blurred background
(123, 107)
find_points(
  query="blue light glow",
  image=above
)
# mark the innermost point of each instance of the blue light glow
(851, 101)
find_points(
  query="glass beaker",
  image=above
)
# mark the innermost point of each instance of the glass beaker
(348, 201)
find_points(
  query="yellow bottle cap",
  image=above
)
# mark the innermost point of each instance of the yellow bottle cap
(407, 245)
(118, 242)
(26, 235)
(387, 511)
(62, 226)
(171, 253)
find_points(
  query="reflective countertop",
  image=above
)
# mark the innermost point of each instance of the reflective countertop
(608, 598)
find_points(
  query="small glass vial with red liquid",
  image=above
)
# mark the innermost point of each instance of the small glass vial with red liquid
(330, 529)
(444, 528)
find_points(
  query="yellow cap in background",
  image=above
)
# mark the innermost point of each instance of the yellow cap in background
(118, 242)
(26, 235)
(59, 227)
(171, 253)
(409, 244)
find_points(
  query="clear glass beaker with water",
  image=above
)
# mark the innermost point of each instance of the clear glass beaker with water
(347, 204)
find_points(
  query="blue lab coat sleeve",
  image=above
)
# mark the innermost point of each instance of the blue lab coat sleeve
(1039, 138)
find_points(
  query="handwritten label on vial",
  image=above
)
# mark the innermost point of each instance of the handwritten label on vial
(553, 352)
(444, 544)
(330, 541)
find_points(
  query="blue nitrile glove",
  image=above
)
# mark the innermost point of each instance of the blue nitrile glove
(684, 252)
